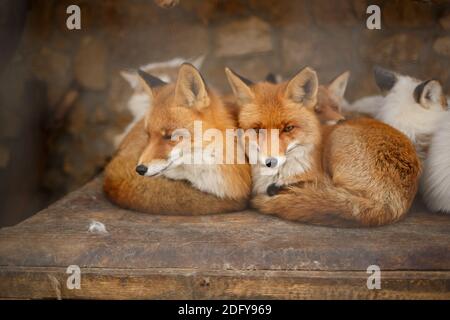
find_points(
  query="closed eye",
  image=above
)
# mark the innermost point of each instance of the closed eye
(167, 136)
(288, 128)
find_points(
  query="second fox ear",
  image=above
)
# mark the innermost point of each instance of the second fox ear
(148, 81)
(385, 79)
(240, 87)
(302, 88)
(190, 90)
(429, 93)
(339, 84)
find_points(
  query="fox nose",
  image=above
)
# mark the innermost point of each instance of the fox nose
(141, 169)
(271, 162)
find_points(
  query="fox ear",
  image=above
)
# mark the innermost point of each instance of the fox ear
(240, 87)
(303, 88)
(190, 90)
(198, 62)
(339, 84)
(148, 81)
(385, 79)
(429, 93)
(131, 77)
(271, 78)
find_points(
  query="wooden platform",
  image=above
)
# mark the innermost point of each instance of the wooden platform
(241, 255)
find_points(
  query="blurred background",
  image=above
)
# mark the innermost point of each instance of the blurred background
(63, 100)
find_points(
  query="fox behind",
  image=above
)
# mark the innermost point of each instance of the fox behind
(357, 173)
(330, 98)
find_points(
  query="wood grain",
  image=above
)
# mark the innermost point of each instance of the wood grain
(241, 255)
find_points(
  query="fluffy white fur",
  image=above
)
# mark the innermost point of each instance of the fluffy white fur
(427, 123)
(297, 161)
(368, 105)
(97, 227)
(205, 177)
(139, 101)
(400, 110)
(435, 184)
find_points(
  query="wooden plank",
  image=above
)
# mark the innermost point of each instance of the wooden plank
(58, 236)
(45, 283)
(239, 255)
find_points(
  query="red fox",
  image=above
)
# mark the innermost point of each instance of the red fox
(138, 102)
(359, 172)
(330, 98)
(147, 176)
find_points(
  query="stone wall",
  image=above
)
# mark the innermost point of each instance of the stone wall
(63, 100)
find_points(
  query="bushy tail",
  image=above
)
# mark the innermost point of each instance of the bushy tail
(124, 187)
(329, 205)
(160, 195)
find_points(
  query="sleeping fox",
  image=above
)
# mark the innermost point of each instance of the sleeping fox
(359, 172)
(147, 174)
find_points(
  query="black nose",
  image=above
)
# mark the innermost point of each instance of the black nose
(271, 162)
(141, 169)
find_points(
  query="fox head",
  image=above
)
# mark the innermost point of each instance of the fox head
(330, 100)
(283, 116)
(165, 71)
(173, 111)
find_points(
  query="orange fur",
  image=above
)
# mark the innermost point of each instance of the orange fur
(328, 109)
(146, 142)
(363, 172)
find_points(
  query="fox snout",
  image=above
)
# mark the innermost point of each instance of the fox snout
(141, 169)
(153, 168)
(272, 161)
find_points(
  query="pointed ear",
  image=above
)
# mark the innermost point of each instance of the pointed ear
(198, 62)
(385, 79)
(339, 84)
(131, 77)
(429, 93)
(151, 80)
(190, 90)
(240, 86)
(146, 81)
(303, 88)
(271, 78)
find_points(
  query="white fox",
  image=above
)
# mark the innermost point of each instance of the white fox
(420, 110)
(410, 105)
(435, 184)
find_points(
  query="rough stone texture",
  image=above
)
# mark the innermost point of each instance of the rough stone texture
(408, 14)
(55, 69)
(332, 14)
(445, 21)
(442, 46)
(303, 46)
(90, 64)
(66, 84)
(4, 156)
(282, 12)
(394, 50)
(233, 39)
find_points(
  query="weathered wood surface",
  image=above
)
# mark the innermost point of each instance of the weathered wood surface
(239, 255)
